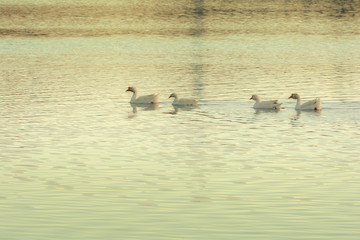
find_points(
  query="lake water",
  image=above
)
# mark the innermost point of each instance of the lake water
(79, 162)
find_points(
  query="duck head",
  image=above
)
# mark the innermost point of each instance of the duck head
(131, 89)
(294, 96)
(254, 97)
(174, 95)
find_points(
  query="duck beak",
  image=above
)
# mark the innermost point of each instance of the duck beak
(128, 89)
(251, 98)
(291, 96)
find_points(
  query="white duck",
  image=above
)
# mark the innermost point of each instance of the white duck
(153, 98)
(314, 104)
(273, 104)
(183, 101)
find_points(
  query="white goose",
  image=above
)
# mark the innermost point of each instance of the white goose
(183, 101)
(153, 98)
(314, 104)
(273, 104)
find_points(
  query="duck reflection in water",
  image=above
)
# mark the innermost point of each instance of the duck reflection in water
(312, 113)
(259, 111)
(182, 108)
(143, 107)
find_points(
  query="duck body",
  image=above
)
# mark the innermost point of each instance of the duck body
(272, 104)
(314, 104)
(183, 101)
(147, 99)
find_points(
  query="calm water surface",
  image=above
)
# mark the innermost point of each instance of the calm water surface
(79, 162)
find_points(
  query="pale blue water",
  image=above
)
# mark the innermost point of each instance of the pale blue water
(79, 162)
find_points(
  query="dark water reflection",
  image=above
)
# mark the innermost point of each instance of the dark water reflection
(178, 18)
